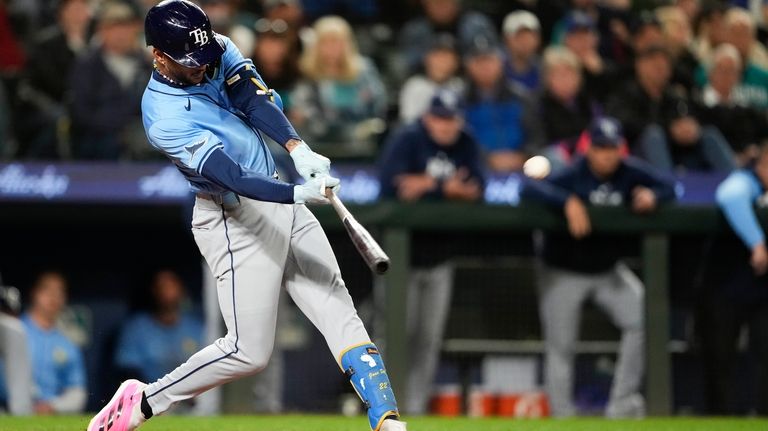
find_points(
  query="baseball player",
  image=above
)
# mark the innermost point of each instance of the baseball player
(582, 265)
(205, 107)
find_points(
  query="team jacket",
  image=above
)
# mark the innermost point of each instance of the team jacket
(595, 253)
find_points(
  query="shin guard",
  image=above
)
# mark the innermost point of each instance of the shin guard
(364, 367)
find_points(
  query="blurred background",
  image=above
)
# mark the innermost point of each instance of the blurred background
(102, 279)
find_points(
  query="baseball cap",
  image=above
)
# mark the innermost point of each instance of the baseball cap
(606, 132)
(442, 41)
(445, 104)
(482, 45)
(578, 20)
(520, 20)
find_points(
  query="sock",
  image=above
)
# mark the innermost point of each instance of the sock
(146, 410)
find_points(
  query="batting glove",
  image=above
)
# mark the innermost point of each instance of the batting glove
(313, 191)
(308, 163)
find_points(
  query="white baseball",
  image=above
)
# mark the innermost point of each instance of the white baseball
(537, 167)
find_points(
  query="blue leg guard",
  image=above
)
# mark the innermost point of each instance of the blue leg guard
(364, 367)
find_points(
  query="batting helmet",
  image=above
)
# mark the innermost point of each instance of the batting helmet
(182, 31)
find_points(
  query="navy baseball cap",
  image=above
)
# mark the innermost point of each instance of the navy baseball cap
(578, 20)
(446, 104)
(606, 132)
(483, 45)
(443, 42)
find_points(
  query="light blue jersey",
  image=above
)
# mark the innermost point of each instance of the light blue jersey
(736, 197)
(188, 123)
(155, 349)
(57, 364)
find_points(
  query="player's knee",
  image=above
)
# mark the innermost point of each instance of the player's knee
(254, 361)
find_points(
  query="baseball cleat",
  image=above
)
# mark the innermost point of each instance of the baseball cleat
(392, 425)
(123, 412)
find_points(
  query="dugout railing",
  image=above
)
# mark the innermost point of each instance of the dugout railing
(396, 222)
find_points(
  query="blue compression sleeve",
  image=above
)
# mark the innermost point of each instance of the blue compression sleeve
(225, 172)
(736, 196)
(249, 94)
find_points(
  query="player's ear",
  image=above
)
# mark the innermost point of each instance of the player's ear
(158, 55)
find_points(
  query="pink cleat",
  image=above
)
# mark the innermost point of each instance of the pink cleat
(123, 412)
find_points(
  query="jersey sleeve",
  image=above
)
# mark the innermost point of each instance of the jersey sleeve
(736, 196)
(232, 59)
(183, 142)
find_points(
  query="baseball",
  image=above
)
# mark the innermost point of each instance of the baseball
(537, 167)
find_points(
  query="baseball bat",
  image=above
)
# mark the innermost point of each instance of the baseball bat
(368, 248)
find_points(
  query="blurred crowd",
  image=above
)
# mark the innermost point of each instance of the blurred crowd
(616, 95)
(687, 79)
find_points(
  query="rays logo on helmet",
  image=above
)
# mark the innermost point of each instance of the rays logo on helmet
(201, 36)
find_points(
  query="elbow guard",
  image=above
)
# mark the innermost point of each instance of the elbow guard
(261, 105)
(246, 84)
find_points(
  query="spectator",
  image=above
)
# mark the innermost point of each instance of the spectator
(224, 20)
(583, 265)
(501, 115)
(45, 92)
(275, 58)
(691, 9)
(441, 67)
(522, 38)
(660, 123)
(152, 343)
(711, 31)
(290, 12)
(566, 109)
(741, 31)
(442, 16)
(15, 390)
(57, 364)
(752, 90)
(743, 126)
(341, 89)
(107, 84)
(735, 294)
(678, 38)
(646, 31)
(608, 22)
(582, 39)
(434, 158)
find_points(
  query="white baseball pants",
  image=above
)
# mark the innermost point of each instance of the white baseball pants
(253, 249)
(619, 293)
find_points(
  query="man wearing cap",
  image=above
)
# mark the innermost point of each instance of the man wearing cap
(582, 38)
(106, 87)
(579, 265)
(661, 123)
(501, 113)
(434, 158)
(441, 69)
(442, 16)
(522, 38)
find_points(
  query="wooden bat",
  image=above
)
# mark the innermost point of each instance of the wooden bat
(368, 248)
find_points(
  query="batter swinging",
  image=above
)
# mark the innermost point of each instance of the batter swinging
(205, 107)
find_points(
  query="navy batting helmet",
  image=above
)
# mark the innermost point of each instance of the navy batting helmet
(182, 31)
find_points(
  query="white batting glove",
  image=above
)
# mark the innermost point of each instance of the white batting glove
(308, 163)
(313, 191)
